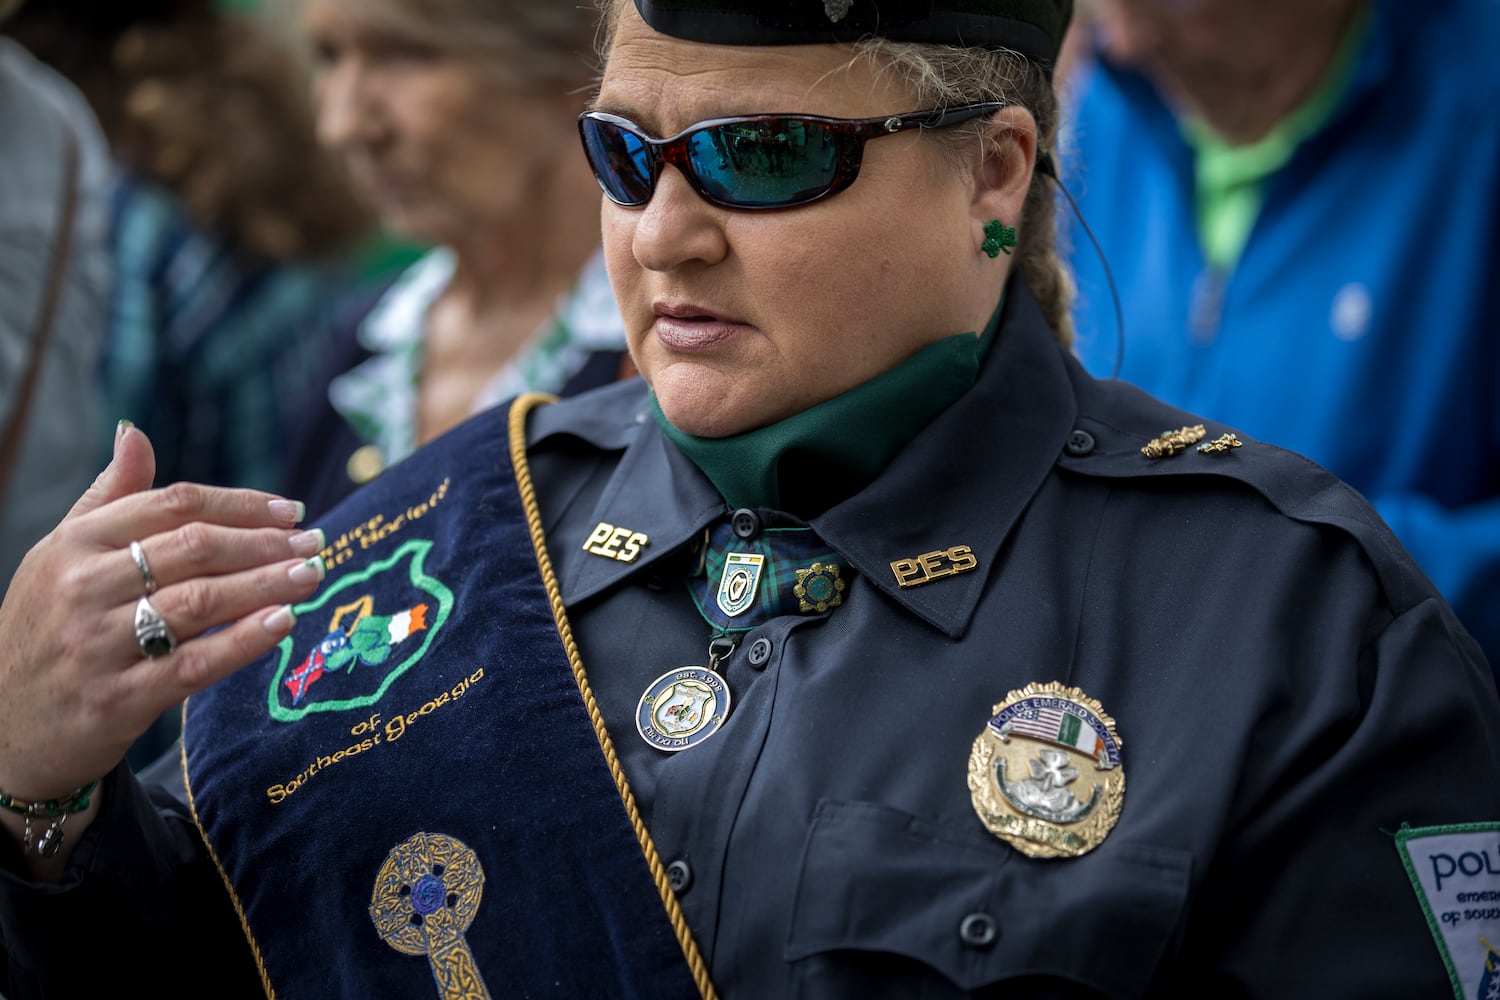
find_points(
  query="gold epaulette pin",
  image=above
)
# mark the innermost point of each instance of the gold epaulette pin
(1174, 442)
(1220, 445)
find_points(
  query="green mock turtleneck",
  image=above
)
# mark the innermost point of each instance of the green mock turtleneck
(811, 460)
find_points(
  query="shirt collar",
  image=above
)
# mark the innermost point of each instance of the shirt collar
(931, 497)
(889, 410)
(397, 321)
(966, 478)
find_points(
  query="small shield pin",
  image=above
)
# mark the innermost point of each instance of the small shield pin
(739, 583)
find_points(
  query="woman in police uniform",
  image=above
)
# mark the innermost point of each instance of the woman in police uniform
(866, 647)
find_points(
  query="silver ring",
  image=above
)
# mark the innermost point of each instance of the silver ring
(139, 555)
(152, 633)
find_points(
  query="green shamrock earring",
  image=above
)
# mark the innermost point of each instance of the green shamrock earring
(997, 238)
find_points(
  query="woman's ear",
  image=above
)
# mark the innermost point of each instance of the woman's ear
(1006, 162)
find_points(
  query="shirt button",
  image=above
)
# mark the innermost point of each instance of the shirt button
(978, 930)
(760, 652)
(679, 876)
(1080, 443)
(746, 522)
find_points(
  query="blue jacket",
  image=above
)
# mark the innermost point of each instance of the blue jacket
(1359, 326)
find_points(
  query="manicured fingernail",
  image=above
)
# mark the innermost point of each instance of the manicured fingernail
(310, 571)
(290, 511)
(120, 429)
(308, 543)
(280, 621)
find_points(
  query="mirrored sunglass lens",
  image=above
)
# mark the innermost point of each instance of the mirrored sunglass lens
(764, 164)
(620, 161)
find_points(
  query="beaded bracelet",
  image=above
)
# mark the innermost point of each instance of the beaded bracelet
(57, 810)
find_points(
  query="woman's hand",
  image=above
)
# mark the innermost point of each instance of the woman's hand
(78, 690)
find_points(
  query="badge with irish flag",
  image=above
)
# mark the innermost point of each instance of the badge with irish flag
(1046, 775)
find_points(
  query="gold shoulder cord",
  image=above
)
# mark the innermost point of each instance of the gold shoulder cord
(239, 908)
(518, 412)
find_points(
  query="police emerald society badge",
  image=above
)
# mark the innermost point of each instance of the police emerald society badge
(1045, 774)
(686, 706)
(682, 708)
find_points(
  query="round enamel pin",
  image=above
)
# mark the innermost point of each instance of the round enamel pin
(682, 708)
(1045, 774)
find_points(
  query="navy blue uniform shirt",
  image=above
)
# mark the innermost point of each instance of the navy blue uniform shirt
(1289, 692)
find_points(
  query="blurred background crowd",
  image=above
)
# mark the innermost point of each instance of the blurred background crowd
(292, 240)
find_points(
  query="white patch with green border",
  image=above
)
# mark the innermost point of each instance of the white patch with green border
(1456, 873)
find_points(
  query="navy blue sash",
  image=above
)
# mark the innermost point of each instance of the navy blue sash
(408, 798)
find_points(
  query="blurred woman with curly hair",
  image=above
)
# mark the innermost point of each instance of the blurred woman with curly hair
(231, 229)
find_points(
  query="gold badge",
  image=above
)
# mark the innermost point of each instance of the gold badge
(1174, 442)
(1221, 444)
(615, 543)
(1045, 775)
(819, 587)
(934, 565)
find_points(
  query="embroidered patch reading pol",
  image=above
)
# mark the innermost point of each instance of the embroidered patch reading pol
(1456, 873)
(1045, 774)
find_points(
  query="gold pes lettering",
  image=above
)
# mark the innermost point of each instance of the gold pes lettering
(615, 543)
(934, 565)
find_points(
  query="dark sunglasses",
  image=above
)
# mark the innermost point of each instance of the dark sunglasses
(748, 161)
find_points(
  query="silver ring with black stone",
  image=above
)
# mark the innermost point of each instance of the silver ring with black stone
(152, 633)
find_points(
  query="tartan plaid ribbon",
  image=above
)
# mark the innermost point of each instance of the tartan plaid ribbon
(798, 575)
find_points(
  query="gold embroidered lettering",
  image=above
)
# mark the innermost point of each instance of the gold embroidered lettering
(371, 730)
(378, 528)
(369, 725)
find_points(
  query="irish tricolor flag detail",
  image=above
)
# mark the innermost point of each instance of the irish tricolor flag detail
(368, 641)
(1057, 727)
(1045, 772)
(404, 623)
(1058, 721)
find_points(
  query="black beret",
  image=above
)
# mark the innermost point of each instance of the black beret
(1034, 28)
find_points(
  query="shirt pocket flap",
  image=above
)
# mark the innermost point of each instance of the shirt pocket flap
(875, 879)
